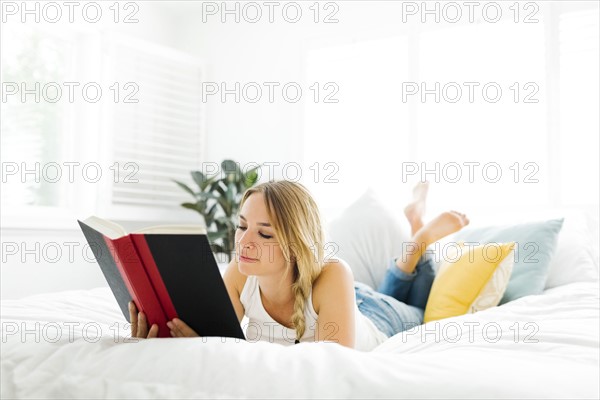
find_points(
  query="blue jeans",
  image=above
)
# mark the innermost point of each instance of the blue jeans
(400, 300)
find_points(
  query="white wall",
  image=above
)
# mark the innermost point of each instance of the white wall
(265, 52)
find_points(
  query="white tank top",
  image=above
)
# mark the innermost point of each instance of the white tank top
(261, 326)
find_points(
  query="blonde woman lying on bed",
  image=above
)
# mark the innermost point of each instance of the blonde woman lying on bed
(288, 297)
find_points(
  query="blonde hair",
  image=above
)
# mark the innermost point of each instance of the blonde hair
(296, 220)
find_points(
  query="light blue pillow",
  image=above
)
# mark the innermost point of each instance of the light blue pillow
(536, 243)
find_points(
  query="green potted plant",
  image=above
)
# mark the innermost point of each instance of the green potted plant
(218, 201)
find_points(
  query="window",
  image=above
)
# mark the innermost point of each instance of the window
(34, 131)
(542, 132)
(579, 105)
(145, 129)
(369, 123)
(499, 128)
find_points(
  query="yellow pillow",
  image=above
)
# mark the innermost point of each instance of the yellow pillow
(474, 281)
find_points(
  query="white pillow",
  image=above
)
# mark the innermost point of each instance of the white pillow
(576, 256)
(367, 236)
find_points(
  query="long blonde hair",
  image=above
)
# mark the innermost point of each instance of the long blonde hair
(296, 220)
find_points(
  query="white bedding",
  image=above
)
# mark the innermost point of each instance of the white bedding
(563, 363)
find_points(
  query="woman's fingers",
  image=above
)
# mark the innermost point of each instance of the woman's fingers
(142, 327)
(153, 331)
(180, 329)
(139, 325)
(183, 328)
(175, 331)
(133, 317)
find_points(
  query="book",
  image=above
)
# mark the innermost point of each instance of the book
(168, 271)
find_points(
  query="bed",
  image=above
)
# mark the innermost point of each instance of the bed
(547, 347)
(75, 344)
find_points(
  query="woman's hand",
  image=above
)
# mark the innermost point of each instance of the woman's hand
(139, 325)
(180, 329)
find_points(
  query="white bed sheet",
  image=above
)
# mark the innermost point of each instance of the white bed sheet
(562, 364)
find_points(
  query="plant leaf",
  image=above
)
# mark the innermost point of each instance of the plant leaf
(205, 195)
(191, 206)
(222, 199)
(210, 215)
(226, 221)
(185, 187)
(231, 195)
(201, 180)
(217, 248)
(229, 166)
(232, 171)
(216, 235)
(216, 186)
(251, 178)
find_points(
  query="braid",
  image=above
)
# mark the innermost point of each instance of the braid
(298, 315)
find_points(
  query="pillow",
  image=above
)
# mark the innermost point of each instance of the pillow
(576, 254)
(474, 282)
(535, 246)
(367, 235)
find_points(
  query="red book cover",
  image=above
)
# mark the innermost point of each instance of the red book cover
(162, 293)
(136, 279)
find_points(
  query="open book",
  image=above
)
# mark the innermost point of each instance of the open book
(168, 271)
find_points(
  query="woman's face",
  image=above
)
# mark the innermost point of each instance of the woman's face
(257, 249)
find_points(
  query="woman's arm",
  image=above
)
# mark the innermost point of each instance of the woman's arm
(234, 282)
(334, 299)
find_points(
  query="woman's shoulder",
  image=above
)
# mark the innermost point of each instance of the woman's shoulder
(333, 271)
(335, 275)
(338, 265)
(234, 277)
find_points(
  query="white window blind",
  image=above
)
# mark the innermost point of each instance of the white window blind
(158, 136)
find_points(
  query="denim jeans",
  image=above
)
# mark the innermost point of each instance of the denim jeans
(399, 302)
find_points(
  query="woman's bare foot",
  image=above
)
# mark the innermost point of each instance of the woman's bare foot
(415, 210)
(443, 225)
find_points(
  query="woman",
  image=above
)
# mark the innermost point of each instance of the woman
(281, 282)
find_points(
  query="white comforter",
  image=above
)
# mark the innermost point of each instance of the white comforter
(58, 358)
